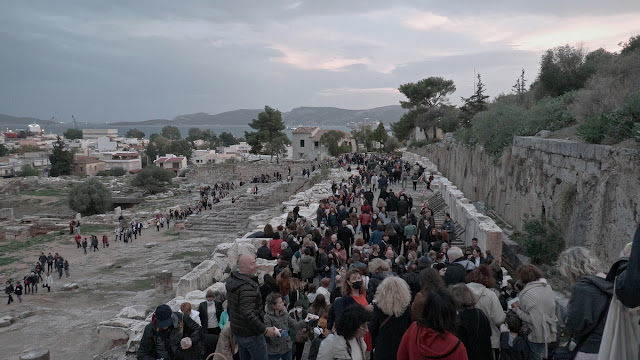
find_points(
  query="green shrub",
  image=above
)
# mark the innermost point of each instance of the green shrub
(542, 241)
(118, 171)
(90, 197)
(594, 129)
(27, 170)
(153, 179)
(104, 173)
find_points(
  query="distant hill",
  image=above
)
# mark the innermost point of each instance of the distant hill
(13, 121)
(309, 116)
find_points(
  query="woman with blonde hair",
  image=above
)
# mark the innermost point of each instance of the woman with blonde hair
(391, 317)
(590, 299)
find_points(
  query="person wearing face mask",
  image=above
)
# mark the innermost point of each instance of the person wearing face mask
(210, 311)
(300, 331)
(353, 292)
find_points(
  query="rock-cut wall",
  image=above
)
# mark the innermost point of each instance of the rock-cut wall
(591, 191)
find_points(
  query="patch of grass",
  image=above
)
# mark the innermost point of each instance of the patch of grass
(186, 254)
(95, 229)
(43, 192)
(22, 245)
(140, 284)
(172, 232)
(7, 260)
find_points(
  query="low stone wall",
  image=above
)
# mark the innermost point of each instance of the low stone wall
(462, 210)
(211, 173)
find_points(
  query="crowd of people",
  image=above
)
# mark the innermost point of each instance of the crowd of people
(38, 276)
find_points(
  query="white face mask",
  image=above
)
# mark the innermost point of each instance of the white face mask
(299, 310)
(209, 302)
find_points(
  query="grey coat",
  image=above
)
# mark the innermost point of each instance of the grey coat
(279, 345)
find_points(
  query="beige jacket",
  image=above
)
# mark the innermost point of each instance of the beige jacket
(538, 310)
(490, 305)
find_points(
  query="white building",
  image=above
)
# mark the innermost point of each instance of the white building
(201, 157)
(128, 160)
(96, 133)
(241, 148)
(171, 162)
(306, 143)
(104, 143)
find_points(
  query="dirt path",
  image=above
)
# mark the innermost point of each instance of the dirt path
(109, 279)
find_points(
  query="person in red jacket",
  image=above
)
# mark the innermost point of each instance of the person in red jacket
(275, 245)
(432, 336)
(365, 222)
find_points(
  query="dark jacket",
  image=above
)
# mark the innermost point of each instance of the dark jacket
(154, 345)
(517, 351)
(204, 316)
(374, 281)
(392, 203)
(264, 253)
(590, 298)
(336, 309)
(321, 263)
(474, 331)
(413, 280)
(244, 305)
(455, 273)
(315, 346)
(628, 276)
(386, 339)
(345, 235)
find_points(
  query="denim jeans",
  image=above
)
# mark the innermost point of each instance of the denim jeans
(536, 350)
(252, 347)
(285, 356)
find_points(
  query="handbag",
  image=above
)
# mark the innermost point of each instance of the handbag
(565, 352)
(621, 333)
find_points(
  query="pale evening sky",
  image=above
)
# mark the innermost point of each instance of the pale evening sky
(117, 60)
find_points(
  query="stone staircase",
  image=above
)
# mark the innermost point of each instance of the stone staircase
(439, 207)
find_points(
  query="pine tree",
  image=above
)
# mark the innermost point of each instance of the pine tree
(61, 160)
(474, 104)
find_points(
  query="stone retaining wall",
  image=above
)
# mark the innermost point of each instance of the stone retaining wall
(591, 191)
(462, 210)
(211, 173)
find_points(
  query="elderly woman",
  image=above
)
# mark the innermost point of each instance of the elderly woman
(348, 340)
(590, 298)
(481, 283)
(537, 309)
(391, 317)
(379, 270)
(473, 329)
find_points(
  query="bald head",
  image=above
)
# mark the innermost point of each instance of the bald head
(454, 253)
(247, 264)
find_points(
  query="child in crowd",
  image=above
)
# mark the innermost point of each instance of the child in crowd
(512, 345)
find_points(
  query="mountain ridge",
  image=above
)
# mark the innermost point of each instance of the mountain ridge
(300, 116)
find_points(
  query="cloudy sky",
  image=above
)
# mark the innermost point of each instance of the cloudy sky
(122, 60)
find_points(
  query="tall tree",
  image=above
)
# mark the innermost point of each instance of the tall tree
(269, 138)
(158, 145)
(181, 148)
(134, 133)
(331, 140)
(520, 87)
(562, 70)
(171, 132)
(195, 134)
(424, 96)
(72, 134)
(474, 104)
(380, 134)
(61, 160)
(363, 135)
(3, 150)
(228, 139)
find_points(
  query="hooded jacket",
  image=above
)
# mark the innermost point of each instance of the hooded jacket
(489, 303)
(420, 343)
(307, 267)
(244, 305)
(538, 310)
(590, 298)
(282, 344)
(335, 347)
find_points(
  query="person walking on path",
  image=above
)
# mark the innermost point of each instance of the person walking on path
(66, 268)
(18, 292)
(84, 245)
(8, 289)
(94, 243)
(48, 282)
(105, 241)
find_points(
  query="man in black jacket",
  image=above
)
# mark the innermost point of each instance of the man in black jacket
(628, 279)
(455, 273)
(170, 336)
(246, 313)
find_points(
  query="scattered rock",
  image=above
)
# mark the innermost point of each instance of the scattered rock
(543, 133)
(138, 312)
(70, 286)
(25, 314)
(6, 321)
(39, 353)
(149, 245)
